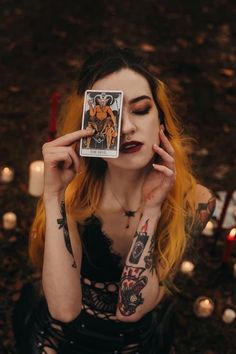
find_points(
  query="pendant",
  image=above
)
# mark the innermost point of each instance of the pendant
(127, 225)
(130, 213)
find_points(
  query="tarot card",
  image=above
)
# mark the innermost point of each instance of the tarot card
(102, 112)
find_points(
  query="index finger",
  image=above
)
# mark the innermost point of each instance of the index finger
(71, 138)
(166, 144)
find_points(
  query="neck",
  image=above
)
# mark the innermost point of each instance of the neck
(127, 186)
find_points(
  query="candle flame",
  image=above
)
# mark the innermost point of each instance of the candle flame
(231, 235)
(209, 225)
(206, 304)
(187, 267)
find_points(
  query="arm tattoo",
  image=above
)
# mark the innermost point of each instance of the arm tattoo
(142, 238)
(205, 210)
(203, 214)
(130, 297)
(150, 259)
(133, 280)
(138, 248)
(62, 222)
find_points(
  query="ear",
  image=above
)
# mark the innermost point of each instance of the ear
(162, 127)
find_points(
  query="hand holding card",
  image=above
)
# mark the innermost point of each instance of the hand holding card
(61, 161)
(102, 112)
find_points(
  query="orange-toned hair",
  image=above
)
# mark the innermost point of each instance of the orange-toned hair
(84, 192)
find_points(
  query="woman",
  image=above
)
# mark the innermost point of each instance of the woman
(109, 233)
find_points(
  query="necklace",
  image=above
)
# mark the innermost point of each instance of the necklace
(127, 213)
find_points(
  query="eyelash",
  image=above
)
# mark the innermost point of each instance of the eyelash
(142, 112)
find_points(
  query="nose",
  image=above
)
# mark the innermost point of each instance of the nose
(127, 125)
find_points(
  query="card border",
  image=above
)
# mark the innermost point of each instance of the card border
(119, 126)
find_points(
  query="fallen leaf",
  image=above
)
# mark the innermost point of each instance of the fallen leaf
(73, 62)
(14, 88)
(227, 72)
(15, 296)
(147, 48)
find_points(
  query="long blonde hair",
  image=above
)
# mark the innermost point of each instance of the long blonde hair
(84, 192)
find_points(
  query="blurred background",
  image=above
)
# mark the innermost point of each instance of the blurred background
(190, 45)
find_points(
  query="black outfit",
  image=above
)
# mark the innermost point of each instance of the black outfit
(95, 331)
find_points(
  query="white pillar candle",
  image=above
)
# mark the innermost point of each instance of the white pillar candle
(203, 306)
(209, 229)
(187, 267)
(36, 178)
(228, 316)
(6, 175)
(9, 221)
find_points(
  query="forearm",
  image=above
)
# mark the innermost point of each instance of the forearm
(61, 272)
(139, 286)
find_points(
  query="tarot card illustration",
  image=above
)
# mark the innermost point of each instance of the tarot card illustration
(102, 112)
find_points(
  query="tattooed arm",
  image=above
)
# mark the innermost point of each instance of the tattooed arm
(139, 285)
(140, 290)
(61, 262)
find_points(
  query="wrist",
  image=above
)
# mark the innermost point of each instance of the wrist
(52, 197)
(151, 212)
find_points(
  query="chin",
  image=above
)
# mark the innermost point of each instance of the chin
(134, 164)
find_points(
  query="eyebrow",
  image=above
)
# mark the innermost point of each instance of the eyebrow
(139, 98)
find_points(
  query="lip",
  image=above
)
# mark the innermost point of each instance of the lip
(134, 147)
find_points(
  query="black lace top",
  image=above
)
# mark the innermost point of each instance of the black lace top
(99, 261)
(101, 270)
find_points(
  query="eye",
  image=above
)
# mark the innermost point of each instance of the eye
(141, 111)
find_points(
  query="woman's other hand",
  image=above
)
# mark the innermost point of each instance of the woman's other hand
(161, 179)
(61, 162)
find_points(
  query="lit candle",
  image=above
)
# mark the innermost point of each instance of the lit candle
(9, 221)
(203, 306)
(209, 229)
(230, 239)
(7, 175)
(187, 267)
(36, 178)
(228, 316)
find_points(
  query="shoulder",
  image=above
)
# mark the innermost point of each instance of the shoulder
(202, 194)
(205, 202)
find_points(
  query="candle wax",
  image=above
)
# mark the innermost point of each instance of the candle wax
(203, 306)
(229, 243)
(187, 267)
(9, 221)
(7, 175)
(36, 178)
(209, 229)
(228, 316)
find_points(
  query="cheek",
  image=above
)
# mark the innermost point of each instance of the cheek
(153, 132)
